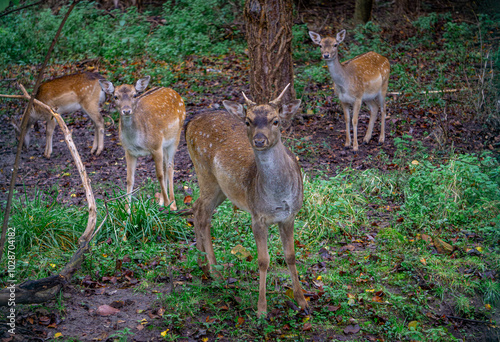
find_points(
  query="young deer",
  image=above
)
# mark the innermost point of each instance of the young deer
(361, 79)
(253, 169)
(68, 94)
(150, 124)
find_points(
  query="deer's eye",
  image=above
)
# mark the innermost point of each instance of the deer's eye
(276, 122)
(135, 95)
(247, 122)
(335, 45)
(116, 97)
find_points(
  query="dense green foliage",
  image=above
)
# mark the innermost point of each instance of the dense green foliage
(188, 27)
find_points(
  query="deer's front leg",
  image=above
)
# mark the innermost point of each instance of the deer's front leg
(286, 232)
(355, 113)
(131, 165)
(260, 234)
(347, 117)
(160, 175)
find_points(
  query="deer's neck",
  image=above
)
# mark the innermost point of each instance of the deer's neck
(130, 134)
(337, 71)
(128, 125)
(278, 179)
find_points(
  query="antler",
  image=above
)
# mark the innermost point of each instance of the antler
(278, 99)
(248, 101)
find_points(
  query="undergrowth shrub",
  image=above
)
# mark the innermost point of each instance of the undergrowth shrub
(458, 192)
(192, 27)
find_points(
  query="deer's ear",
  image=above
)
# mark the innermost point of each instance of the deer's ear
(142, 84)
(315, 37)
(235, 108)
(290, 109)
(107, 86)
(340, 36)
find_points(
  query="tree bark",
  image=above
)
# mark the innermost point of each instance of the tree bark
(363, 11)
(269, 37)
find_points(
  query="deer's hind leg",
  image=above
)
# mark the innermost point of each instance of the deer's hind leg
(211, 196)
(373, 117)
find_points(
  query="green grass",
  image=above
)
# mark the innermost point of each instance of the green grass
(371, 223)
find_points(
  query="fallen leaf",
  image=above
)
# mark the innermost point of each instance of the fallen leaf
(413, 325)
(333, 308)
(106, 310)
(44, 320)
(57, 335)
(426, 238)
(241, 320)
(307, 326)
(241, 252)
(352, 329)
(423, 261)
(442, 247)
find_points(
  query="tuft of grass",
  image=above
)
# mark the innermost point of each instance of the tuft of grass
(43, 224)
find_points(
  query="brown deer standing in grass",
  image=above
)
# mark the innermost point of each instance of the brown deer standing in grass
(68, 94)
(150, 124)
(240, 156)
(361, 79)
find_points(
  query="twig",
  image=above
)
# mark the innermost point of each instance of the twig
(19, 8)
(469, 320)
(431, 91)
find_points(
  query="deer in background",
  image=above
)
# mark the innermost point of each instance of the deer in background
(240, 156)
(150, 124)
(361, 79)
(67, 94)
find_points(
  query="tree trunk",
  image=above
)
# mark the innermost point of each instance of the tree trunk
(363, 11)
(269, 37)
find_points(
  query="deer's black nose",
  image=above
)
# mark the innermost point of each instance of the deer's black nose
(259, 140)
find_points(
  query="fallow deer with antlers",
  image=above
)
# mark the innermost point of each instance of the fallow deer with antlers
(150, 124)
(362, 79)
(68, 94)
(240, 156)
